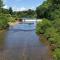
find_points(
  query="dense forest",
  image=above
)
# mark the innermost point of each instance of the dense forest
(49, 12)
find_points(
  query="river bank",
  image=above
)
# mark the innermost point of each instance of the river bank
(13, 23)
(2, 37)
(47, 43)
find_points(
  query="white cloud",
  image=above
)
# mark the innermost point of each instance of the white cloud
(6, 7)
(22, 9)
(19, 9)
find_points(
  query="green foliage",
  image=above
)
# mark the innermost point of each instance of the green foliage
(51, 30)
(42, 10)
(50, 10)
(10, 18)
(10, 11)
(56, 24)
(5, 11)
(25, 14)
(1, 3)
(3, 21)
(52, 35)
(56, 54)
(42, 26)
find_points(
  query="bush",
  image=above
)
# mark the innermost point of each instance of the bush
(56, 54)
(10, 18)
(42, 26)
(50, 10)
(51, 30)
(56, 24)
(3, 21)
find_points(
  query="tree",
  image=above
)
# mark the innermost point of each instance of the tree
(3, 21)
(1, 3)
(54, 1)
(42, 26)
(48, 9)
(5, 11)
(42, 10)
(50, 27)
(10, 11)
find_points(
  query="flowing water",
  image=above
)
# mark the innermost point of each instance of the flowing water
(21, 43)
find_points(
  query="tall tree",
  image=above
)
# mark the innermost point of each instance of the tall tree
(49, 9)
(1, 3)
(10, 11)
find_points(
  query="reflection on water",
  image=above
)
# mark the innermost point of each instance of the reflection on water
(23, 45)
(24, 26)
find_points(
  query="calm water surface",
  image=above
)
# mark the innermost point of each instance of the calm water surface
(23, 44)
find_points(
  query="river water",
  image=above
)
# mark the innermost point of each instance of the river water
(22, 45)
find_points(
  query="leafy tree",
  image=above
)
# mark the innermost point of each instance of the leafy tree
(10, 11)
(42, 26)
(1, 3)
(3, 17)
(42, 10)
(3, 21)
(56, 54)
(5, 11)
(25, 14)
(48, 9)
(50, 27)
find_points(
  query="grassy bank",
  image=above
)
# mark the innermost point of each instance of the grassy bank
(51, 31)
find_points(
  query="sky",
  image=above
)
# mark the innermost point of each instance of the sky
(21, 5)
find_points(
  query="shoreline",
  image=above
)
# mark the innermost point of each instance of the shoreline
(46, 43)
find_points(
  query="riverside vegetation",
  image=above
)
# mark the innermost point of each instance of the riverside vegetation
(8, 15)
(49, 11)
(5, 17)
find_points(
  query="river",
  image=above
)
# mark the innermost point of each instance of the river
(22, 45)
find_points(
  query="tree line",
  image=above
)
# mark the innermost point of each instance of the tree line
(49, 12)
(20, 14)
(8, 15)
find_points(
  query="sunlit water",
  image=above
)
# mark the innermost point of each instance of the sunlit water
(24, 26)
(22, 43)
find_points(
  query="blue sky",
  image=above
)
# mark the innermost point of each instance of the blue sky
(20, 5)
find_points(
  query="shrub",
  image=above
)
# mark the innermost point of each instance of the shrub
(42, 26)
(56, 54)
(56, 24)
(10, 18)
(50, 32)
(3, 21)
